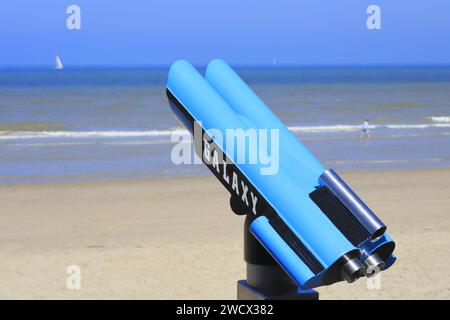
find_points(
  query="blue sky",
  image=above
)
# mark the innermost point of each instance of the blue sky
(245, 32)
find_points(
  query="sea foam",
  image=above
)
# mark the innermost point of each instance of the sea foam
(439, 119)
(29, 135)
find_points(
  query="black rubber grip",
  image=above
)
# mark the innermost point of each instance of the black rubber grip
(339, 215)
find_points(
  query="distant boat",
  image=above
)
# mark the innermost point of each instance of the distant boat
(58, 64)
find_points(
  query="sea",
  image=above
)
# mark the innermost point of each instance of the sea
(101, 124)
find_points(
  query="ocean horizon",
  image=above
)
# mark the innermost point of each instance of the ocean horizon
(89, 124)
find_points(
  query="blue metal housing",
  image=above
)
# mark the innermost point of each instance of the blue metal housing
(287, 222)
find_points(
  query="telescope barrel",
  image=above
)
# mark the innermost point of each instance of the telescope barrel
(353, 203)
(294, 156)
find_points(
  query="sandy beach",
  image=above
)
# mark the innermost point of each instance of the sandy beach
(176, 238)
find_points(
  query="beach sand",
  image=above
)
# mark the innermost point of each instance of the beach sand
(176, 238)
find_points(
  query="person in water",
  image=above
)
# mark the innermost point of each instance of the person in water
(365, 128)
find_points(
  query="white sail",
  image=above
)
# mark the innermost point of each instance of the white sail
(58, 63)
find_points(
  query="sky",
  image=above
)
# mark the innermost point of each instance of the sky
(243, 32)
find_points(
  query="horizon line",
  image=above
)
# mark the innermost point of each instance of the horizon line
(236, 65)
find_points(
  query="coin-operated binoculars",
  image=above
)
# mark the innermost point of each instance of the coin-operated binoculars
(304, 226)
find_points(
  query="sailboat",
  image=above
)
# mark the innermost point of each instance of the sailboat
(58, 64)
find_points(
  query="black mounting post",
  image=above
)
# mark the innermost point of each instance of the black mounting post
(266, 280)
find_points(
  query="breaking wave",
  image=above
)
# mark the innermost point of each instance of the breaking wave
(439, 119)
(34, 135)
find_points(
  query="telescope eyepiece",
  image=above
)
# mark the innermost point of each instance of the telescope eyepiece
(352, 269)
(373, 264)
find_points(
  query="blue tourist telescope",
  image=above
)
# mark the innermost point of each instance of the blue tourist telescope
(304, 226)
